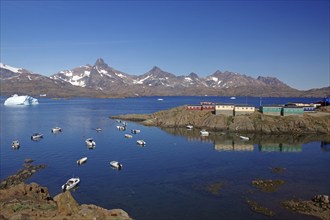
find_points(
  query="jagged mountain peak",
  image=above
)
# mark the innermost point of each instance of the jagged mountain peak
(158, 72)
(100, 64)
(193, 75)
(272, 81)
(99, 61)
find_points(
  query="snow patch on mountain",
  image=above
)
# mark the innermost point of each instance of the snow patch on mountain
(10, 68)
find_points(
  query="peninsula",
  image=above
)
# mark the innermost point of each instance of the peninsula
(314, 122)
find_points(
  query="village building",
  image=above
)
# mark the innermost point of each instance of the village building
(292, 110)
(271, 110)
(224, 109)
(243, 109)
(194, 107)
(208, 106)
(307, 107)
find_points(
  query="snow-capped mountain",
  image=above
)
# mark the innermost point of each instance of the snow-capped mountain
(101, 80)
(99, 76)
(20, 81)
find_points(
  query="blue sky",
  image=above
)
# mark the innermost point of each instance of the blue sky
(284, 39)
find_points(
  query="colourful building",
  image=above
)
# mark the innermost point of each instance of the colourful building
(271, 110)
(292, 111)
(224, 109)
(194, 107)
(243, 110)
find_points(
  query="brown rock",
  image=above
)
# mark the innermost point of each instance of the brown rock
(66, 203)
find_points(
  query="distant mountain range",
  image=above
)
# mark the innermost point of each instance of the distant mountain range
(101, 80)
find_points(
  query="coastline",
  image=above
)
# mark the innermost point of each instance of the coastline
(180, 117)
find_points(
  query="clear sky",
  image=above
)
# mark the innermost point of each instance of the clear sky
(284, 39)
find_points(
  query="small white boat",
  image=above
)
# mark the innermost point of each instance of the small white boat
(82, 160)
(203, 132)
(116, 164)
(98, 129)
(121, 128)
(15, 144)
(71, 183)
(141, 142)
(189, 127)
(135, 131)
(36, 136)
(90, 142)
(128, 136)
(244, 138)
(56, 130)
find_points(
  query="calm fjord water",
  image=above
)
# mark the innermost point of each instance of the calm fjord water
(171, 177)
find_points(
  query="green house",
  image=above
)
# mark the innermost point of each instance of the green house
(292, 111)
(271, 110)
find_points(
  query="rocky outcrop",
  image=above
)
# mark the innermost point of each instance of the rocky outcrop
(32, 201)
(21, 175)
(319, 206)
(253, 123)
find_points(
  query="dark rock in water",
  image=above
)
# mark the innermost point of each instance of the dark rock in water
(319, 206)
(278, 170)
(29, 160)
(254, 206)
(21, 175)
(267, 185)
(215, 188)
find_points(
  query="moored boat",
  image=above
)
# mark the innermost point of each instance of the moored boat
(71, 183)
(121, 128)
(82, 160)
(135, 131)
(116, 164)
(56, 129)
(189, 127)
(15, 144)
(128, 136)
(90, 142)
(203, 132)
(141, 142)
(244, 138)
(36, 136)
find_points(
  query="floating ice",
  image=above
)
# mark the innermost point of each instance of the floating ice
(21, 100)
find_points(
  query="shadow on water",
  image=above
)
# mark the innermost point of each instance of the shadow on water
(232, 142)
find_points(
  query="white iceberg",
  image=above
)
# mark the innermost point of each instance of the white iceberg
(21, 100)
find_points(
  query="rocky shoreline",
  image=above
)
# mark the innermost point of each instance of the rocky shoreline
(318, 122)
(32, 201)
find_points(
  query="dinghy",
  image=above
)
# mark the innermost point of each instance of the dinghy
(116, 164)
(82, 160)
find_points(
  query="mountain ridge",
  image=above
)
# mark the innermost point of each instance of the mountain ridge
(101, 80)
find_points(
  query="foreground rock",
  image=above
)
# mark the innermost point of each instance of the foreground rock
(256, 122)
(319, 206)
(32, 201)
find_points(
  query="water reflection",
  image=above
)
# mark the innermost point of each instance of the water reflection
(325, 146)
(265, 143)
